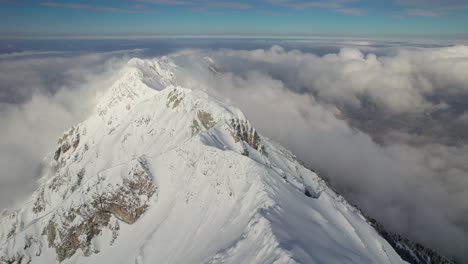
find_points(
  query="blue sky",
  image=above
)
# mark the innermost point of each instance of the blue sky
(226, 18)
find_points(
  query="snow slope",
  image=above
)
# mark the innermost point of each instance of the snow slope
(164, 174)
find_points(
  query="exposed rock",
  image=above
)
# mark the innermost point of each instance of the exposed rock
(77, 237)
(14, 260)
(58, 181)
(79, 179)
(76, 141)
(174, 99)
(245, 152)
(242, 131)
(75, 229)
(114, 226)
(206, 119)
(124, 203)
(57, 154)
(195, 127)
(309, 192)
(68, 140)
(39, 203)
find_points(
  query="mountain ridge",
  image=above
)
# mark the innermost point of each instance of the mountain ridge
(153, 156)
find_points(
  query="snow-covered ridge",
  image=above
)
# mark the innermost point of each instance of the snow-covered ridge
(165, 174)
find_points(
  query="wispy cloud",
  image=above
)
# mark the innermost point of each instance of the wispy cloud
(423, 13)
(201, 5)
(432, 8)
(85, 7)
(167, 2)
(8, 2)
(233, 5)
(339, 6)
(350, 11)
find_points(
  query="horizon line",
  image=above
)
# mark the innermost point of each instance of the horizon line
(235, 36)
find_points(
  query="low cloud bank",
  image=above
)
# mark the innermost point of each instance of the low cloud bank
(389, 132)
(41, 95)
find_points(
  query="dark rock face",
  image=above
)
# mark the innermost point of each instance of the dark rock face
(39, 204)
(174, 99)
(70, 139)
(408, 250)
(195, 127)
(241, 130)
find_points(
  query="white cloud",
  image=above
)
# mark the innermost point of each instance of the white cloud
(294, 97)
(86, 7)
(305, 102)
(339, 6)
(204, 5)
(40, 97)
(424, 13)
(395, 83)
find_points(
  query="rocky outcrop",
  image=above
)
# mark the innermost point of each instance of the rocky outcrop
(241, 130)
(174, 98)
(98, 206)
(206, 119)
(74, 229)
(70, 139)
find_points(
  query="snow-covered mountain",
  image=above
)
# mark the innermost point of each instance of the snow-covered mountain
(165, 174)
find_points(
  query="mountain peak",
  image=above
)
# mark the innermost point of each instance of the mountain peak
(161, 173)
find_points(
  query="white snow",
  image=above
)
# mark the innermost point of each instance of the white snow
(213, 204)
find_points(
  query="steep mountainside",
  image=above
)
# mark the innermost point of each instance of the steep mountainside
(164, 174)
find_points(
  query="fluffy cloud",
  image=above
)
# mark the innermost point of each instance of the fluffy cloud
(412, 182)
(40, 97)
(395, 83)
(388, 131)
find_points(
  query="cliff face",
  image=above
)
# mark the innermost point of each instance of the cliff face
(164, 174)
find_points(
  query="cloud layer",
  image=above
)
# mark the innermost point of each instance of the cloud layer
(422, 8)
(387, 130)
(40, 97)
(381, 129)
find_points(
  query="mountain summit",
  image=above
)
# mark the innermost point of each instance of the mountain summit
(165, 174)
